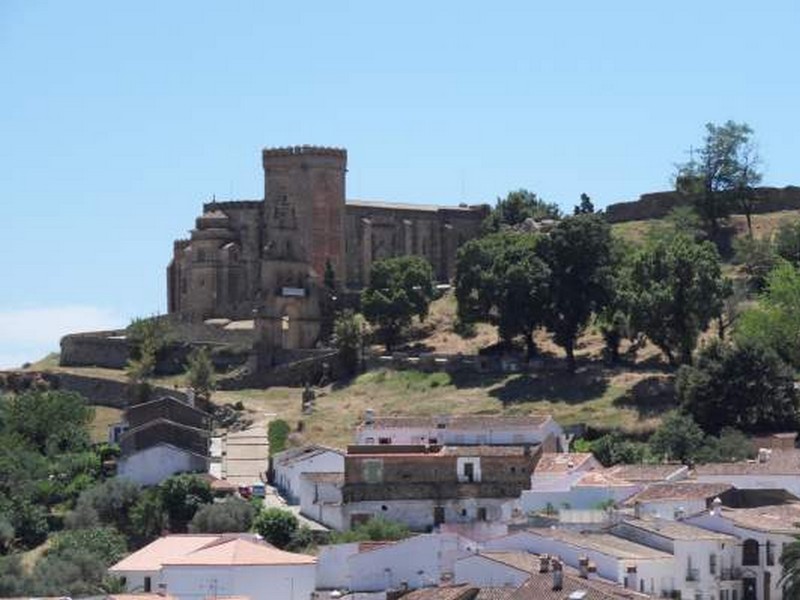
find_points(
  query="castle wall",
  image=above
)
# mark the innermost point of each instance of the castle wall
(658, 205)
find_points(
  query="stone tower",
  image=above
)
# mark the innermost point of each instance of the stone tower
(303, 225)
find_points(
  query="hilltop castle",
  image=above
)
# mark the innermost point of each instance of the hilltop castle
(267, 257)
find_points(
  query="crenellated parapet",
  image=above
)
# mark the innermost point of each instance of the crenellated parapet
(304, 150)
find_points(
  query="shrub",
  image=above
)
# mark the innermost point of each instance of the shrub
(232, 515)
(276, 525)
(377, 529)
(277, 435)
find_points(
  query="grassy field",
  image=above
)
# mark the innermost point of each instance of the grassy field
(595, 396)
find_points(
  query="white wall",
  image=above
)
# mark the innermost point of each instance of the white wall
(484, 572)
(668, 509)
(333, 570)
(418, 561)
(287, 477)
(790, 483)
(155, 464)
(285, 582)
(657, 573)
(134, 580)
(577, 497)
(418, 514)
(322, 502)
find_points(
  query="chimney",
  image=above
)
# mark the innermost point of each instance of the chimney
(637, 510)
(716, 507)
(558, 575)
(369, 416)
(591, 570)
(583, 567)
(544, 563)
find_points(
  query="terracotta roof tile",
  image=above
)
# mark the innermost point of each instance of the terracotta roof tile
(240, 552)
(152, 556)
(684, 490)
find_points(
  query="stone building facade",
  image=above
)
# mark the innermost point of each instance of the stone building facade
(269, 255)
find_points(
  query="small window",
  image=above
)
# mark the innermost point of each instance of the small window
(385, 440)
(712, 564)
(463, 512)
(384, 507)
(513, 469)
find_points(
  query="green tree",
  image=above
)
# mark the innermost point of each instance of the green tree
(276, 525)
(613, 448)
(399, 289)
(677, 438)
(232, 515)
(516, 207)
(757, 257)
(585, 207)
(578, 252)
(787, 241)
(148, 338)
(790, 567)
(200, 373)
(676, 289)
(722, 174)
(745, 386)
(501, 279)
(348, 339)
(148, 516)
(775, 322)
(112, 502)
(54, 421)
(182, 496)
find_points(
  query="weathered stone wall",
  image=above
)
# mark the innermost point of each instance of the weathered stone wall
(96, 390)
(295, 368)
(659, 204)
(107, 349)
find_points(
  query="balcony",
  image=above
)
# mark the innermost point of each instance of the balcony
(693, 575)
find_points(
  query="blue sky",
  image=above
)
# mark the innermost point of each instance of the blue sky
(118, 119)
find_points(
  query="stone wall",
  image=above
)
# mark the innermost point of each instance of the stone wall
(107, 349)
(296, 369)
(96, 390)
(659, 204)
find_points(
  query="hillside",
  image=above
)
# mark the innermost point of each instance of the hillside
(632, 397)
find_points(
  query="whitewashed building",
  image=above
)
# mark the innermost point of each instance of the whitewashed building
(762, 532)
(321, 498)
(774, 469)
(676, 500)
(195, 567)
(289, 466)
(462, 430)
(420, 561)
(634, 566)
(154, 464)
(705, 562)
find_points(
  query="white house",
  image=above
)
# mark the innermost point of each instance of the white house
(706, 562)
(321, 498)
(194, 567)
(763, 532)
(772, 470)
(586, 486)
(419, 561)
(288, 467)
(152, 465)
(635, 566)
(676, 499)
(462, 430)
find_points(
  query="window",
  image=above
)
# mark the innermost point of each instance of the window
(750, 553)
(384, 440)
(482, 513)
(770, 553)
(463, 512)
(712, 564)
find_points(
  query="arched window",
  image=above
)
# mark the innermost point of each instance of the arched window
(750, 552)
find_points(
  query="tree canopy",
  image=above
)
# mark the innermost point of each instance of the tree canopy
(517, 207)
(745, 386)
(675, 289)
(399, 289)
(722, 173)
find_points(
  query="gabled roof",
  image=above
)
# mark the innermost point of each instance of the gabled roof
(604, 543)
(240, 552)
(540, 587)
(301, 453)
(649, 473)
(463, 591)
(778, 462)
(676, 530)
(780, 518)
(684, 490)
(152, 556)
(521, 561)
(559, 463)
(167, 399)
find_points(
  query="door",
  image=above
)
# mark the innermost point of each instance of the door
(438, 515)
(749, 588)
